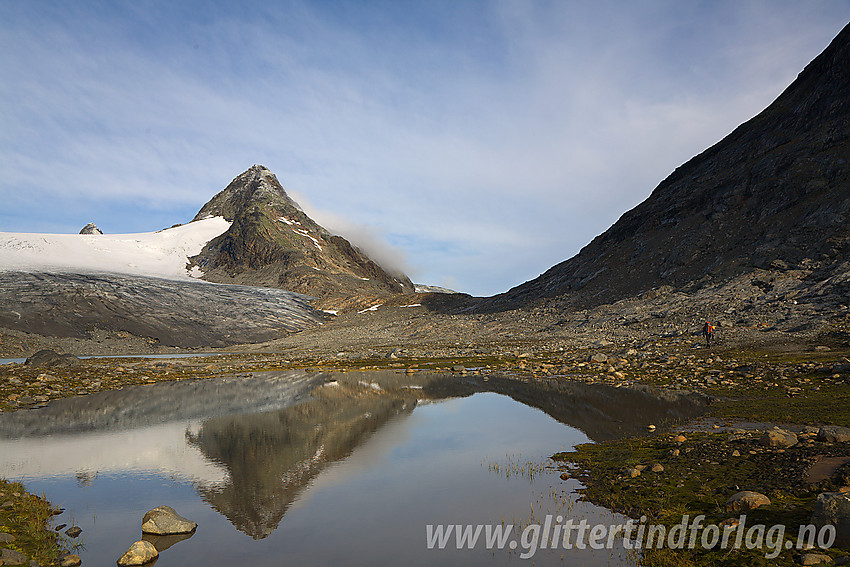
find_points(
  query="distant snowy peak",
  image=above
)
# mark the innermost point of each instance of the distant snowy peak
(91, 228)
(158, 254)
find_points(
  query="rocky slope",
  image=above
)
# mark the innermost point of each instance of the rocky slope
(774, 195)
(273, 243)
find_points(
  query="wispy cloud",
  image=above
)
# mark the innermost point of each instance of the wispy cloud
(487, 141)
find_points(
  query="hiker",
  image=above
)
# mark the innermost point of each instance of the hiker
(708, 333)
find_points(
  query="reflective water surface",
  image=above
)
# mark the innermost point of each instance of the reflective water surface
(321, 469)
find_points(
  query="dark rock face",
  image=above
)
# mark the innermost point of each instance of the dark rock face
(90, 228)
(773, 194)
(273, 243)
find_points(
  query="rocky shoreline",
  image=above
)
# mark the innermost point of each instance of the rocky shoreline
(752, 384)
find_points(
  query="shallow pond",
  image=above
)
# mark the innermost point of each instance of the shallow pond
(323, 469)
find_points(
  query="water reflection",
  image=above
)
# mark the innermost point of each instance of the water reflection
(272, 456)
(364, 452)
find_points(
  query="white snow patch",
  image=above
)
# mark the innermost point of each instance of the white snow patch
(331, 311)
(289, 222)
(158, 254)
(303, 232)
(412, 305)
(373, 308)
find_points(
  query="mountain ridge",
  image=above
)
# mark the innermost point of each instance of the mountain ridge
(773, 194)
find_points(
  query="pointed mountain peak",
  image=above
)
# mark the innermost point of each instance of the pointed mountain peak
(255, 186)
(272, 242)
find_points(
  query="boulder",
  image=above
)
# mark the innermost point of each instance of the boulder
(834, 508)
(49, 358)
(834, 434)
(163, 520)
(599, 357)
(70, 560)
(746, 500)
(815, 559)
(12, 557)
(140, 553)
(778, 438)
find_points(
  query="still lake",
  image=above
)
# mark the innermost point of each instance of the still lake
(323, 468)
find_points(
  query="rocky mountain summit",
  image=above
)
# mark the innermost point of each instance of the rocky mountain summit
(772, 197)
(90, 228)
(273, 243)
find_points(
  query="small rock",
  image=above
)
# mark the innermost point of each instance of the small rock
(599, 357)
(163, 520)
(823, 348)
(73, 532)
(6, 538)
(565, 476)
(650, 427)
(139, 553)
(736, 453)
(680, 438)
(70, 560)
(746, 500)
(12, 557)
(632, 473)
(815, 559)
(657, 467)
(777, 437)
(834, 434)
(674, 453)
(458, 368)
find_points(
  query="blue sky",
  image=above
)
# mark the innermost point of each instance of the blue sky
(473, 143)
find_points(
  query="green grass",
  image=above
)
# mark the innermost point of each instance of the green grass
(28, 521)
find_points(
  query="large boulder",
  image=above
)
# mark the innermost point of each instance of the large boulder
(778, 438)
(834, 508)
(12, 557)
(49, 358)
(746, 500)
(140, 553)
(834, 434)
(164, 520)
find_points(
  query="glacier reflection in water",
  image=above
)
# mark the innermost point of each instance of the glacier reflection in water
(342, 469)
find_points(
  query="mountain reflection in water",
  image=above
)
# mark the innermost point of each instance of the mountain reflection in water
(252, 445)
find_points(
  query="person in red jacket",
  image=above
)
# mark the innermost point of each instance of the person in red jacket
(708, 333)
